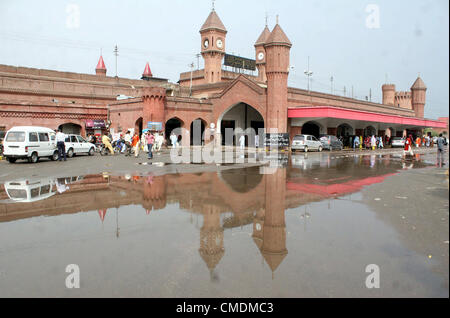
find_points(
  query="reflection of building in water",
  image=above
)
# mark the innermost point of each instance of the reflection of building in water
(229, 199)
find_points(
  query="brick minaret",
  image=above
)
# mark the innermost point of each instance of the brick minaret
(278, 49)
(388, 94)
(101, 68)
(153, 99)
(260, 53)
(213, 36)
(418, 96)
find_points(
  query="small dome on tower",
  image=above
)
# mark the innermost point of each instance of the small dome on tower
(419, 84)
(147, 71)
(277, 36)
(213, 22)
(101, 64)
(263, 37)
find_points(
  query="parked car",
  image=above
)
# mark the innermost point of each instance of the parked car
(75, 145)
(31, 143)
(397, 142)
(306, 143)
(331, 142)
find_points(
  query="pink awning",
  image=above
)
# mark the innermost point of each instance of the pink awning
(351, 114)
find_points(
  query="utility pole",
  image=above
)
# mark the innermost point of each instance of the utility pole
(345, 91)
(190, 86)
(370, 94)
(308, 73)
(116, 53)
(198, 61)
(331, 80)
(352, 91)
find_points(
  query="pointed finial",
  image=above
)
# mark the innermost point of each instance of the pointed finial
(267, 19)
(213, 1)
(277, 18)
(419, 74)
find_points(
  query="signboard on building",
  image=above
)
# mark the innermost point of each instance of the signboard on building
(154, 126)
(95, 124)
(239, 62)
(276, 141)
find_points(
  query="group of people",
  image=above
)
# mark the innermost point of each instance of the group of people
(424, 141)
(368, 142)
(128, 144)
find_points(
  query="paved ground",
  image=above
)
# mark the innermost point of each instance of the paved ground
(161, 164)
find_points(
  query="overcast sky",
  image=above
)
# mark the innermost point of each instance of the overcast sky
(357, 42)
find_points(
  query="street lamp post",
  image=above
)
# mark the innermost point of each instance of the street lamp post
(308, 73)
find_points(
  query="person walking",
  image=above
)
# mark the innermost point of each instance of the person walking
(135, 144)
(380, 144)
(440, 150)
(173, 139)
(150, 139)
(373, 142)
(418, 142)
(408, 147)
(107, 142)
(242, 142)
(60, 143)
(128, 141)
(355, 143)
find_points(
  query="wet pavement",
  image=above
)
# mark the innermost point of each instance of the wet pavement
(305, 225)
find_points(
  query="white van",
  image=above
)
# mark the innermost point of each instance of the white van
(31, 143)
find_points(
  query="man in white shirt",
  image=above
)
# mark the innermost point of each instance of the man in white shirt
(60, 143)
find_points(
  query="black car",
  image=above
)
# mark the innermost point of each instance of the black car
(331, 142)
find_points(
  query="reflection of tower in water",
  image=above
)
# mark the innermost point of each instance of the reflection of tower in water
(211, 238)
(269, 227)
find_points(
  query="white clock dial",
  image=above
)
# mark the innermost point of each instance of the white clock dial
(206, 43)
(260, 56)
(219, 43)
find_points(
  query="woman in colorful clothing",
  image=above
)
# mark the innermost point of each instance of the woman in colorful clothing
(408, 148)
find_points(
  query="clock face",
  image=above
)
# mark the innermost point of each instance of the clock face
(206, 43)
(260, 56)
(219, 43)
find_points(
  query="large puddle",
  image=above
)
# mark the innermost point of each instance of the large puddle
(304, 228)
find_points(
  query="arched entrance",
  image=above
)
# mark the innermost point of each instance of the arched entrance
(138, 126)
(240, 116)
(197, 132)
(172, 124)
(344, 130)
(370, 131)
(311, 128)
(70, 128)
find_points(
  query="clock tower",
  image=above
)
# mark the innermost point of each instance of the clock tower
(260, 52)
(213, 35)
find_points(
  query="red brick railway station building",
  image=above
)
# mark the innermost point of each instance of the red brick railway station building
(80, 103)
